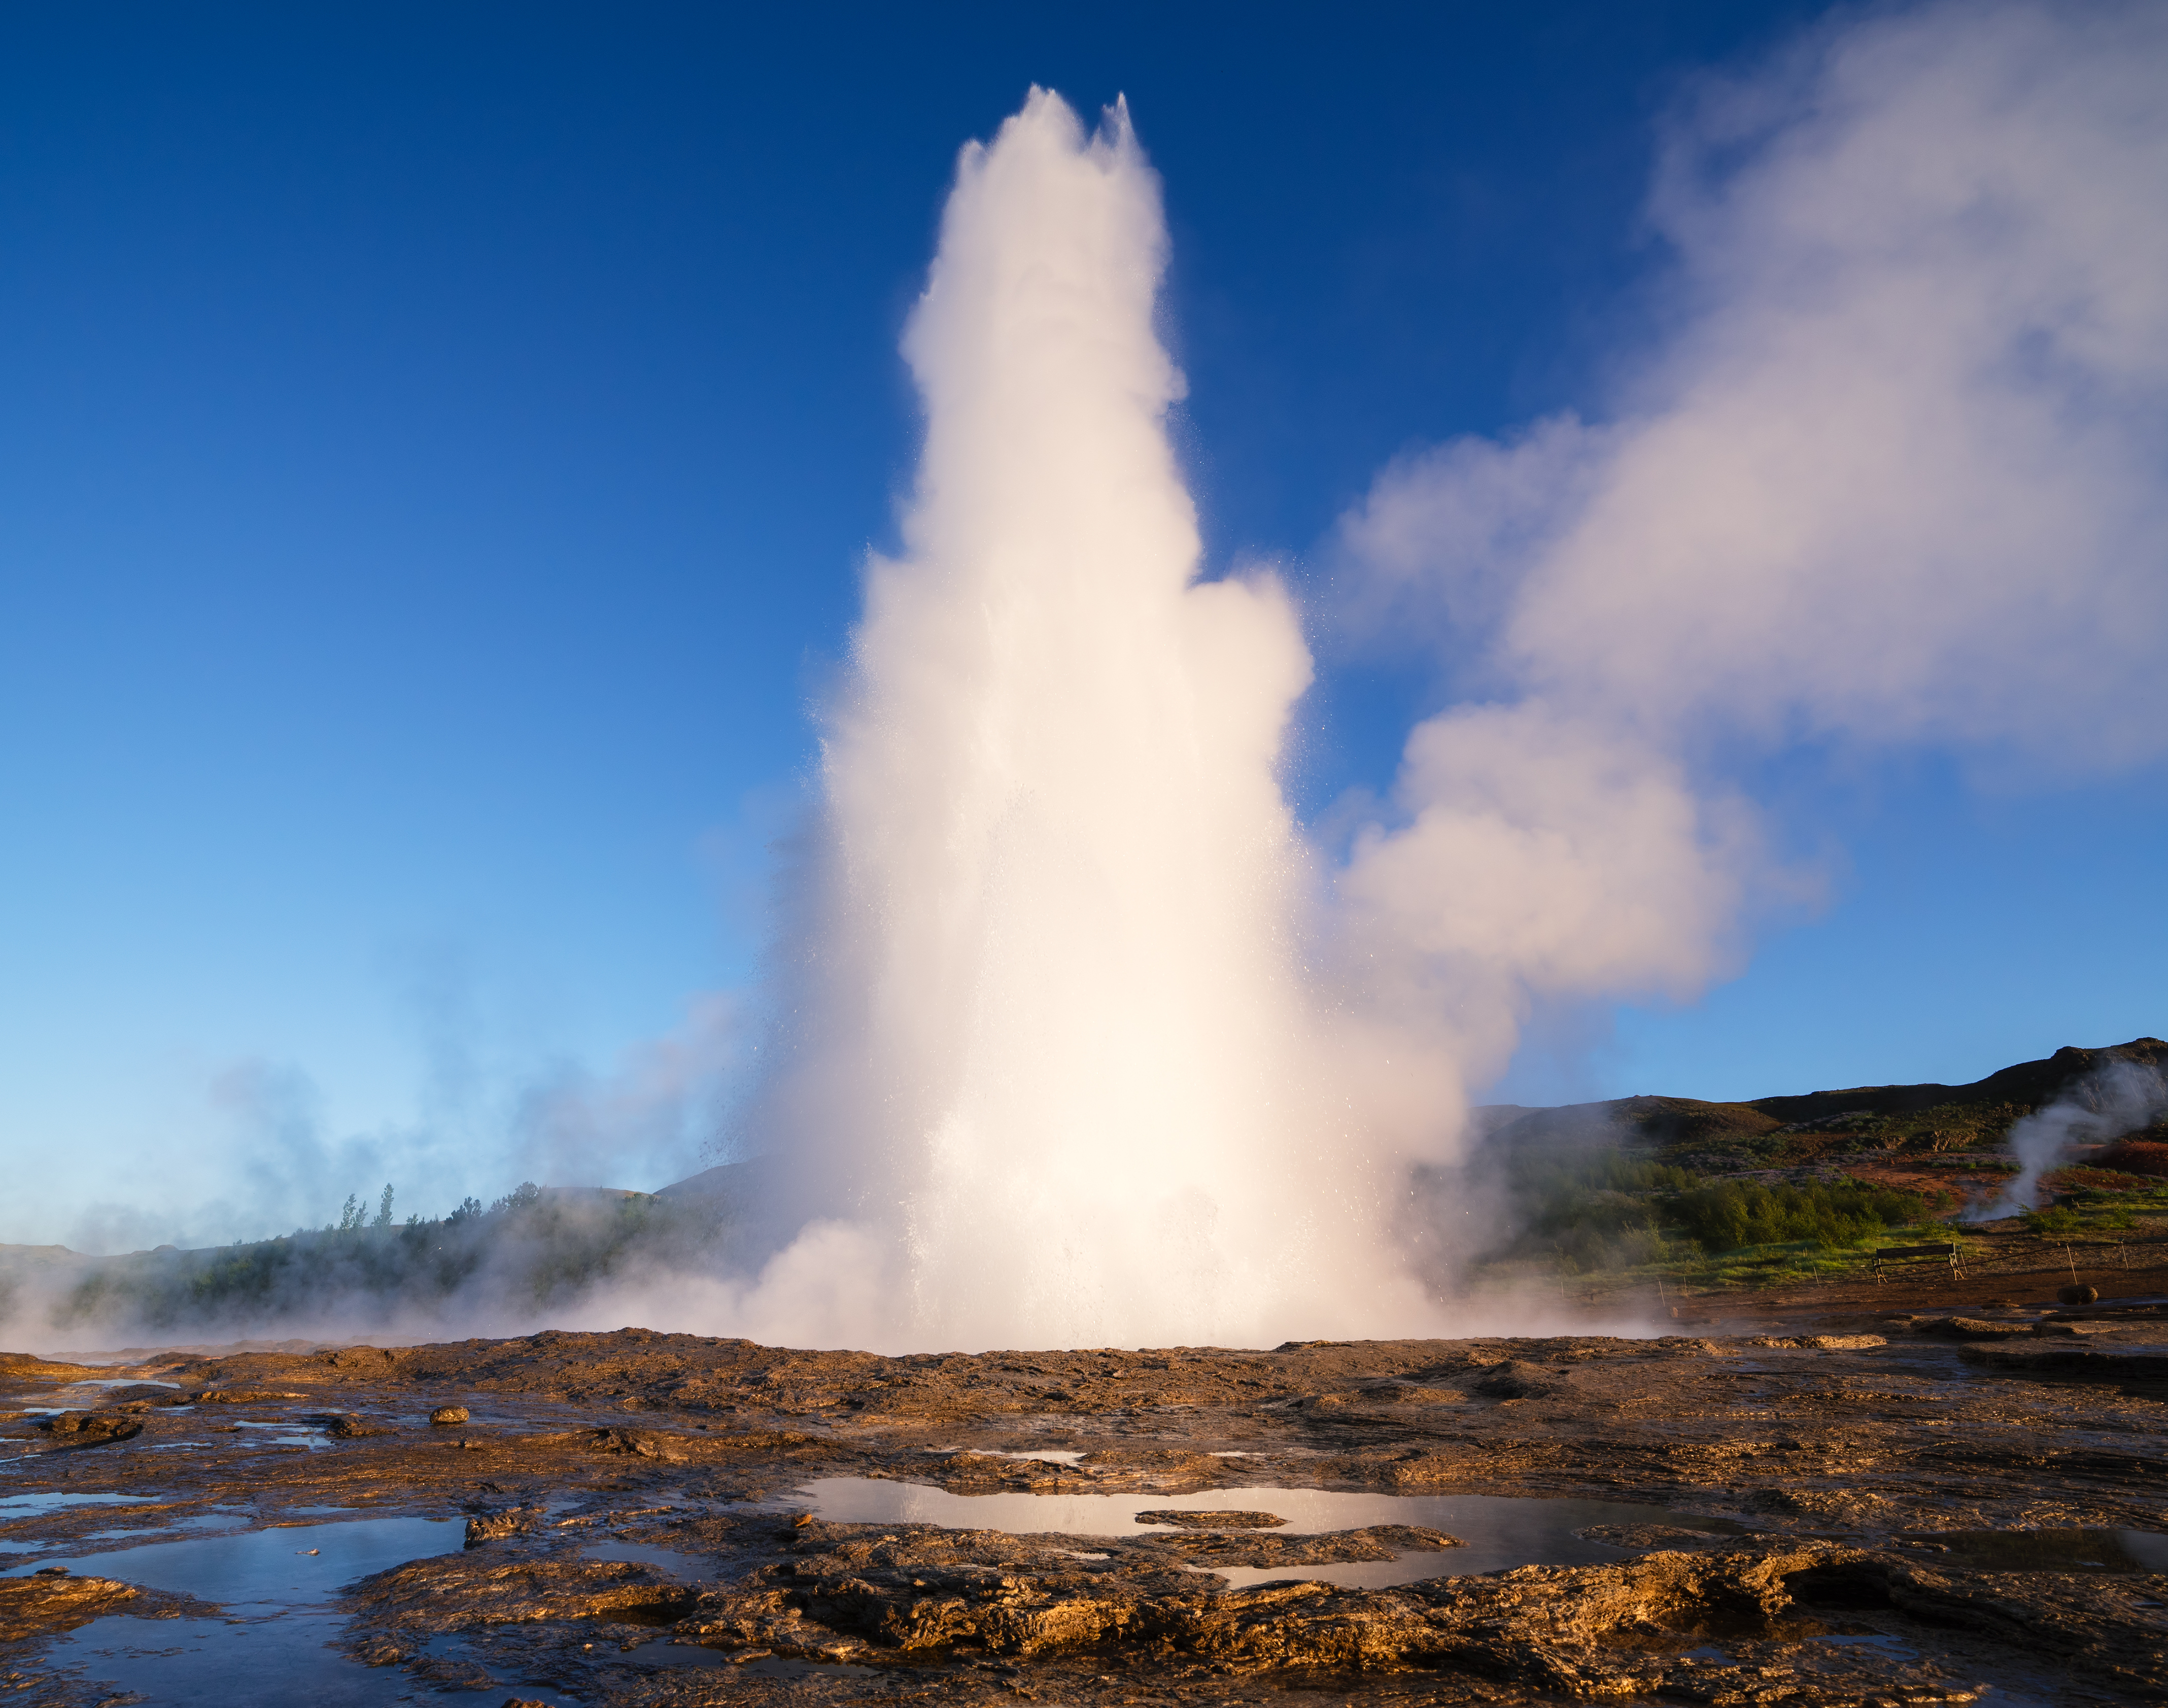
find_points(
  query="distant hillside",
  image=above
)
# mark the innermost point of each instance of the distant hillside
(535, 1249)
(1632, 1181)
(1785, 1130)
(1673, 1185)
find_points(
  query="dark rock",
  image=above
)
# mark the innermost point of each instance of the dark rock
(1644, 1539)
(1970, 1328)
(239, 1397)
(1514, 1380)
(641, 1444)
(1213, 1521)
(511, 1521)
(92, 1429)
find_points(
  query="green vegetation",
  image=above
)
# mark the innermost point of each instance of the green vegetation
(528, 1248)
(1597, 1211)
(1948, 1126)
(1611, 1211)
(1724, 1217)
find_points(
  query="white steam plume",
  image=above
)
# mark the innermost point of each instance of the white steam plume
(1895, 476)
(1053, 1076)
(1085, 1044)
(2122, 1097)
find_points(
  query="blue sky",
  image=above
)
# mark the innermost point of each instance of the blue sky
(437, 448)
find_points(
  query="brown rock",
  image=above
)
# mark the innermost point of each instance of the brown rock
(240, 1397)
(349, 1426)
(512, 1521)
(92, 1429)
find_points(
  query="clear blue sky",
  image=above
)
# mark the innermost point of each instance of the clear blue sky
(437, 445)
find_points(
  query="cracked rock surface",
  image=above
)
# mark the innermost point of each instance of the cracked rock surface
(1832, 1516)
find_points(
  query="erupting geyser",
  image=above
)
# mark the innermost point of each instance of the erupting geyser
(1051, 1073)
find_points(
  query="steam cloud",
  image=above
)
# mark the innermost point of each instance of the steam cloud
(1895, 479)
(2124, 1097)
(1085, 1044)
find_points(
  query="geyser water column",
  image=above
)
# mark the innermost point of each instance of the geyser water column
(1048, 1075)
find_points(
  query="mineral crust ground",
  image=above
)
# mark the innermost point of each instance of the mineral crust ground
(1915, 1503)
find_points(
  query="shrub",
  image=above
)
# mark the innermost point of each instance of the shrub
(1734, 1214)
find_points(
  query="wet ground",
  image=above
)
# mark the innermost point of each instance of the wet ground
(1961, 1503)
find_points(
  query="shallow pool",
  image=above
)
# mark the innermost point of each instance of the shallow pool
(292, 1566)
(273, 1587)
(30, 1506)
(1499, 1530)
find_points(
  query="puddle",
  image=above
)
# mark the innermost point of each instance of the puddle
(198, 1662)
(296, 1435)
(2043, 1551)
(1501, 1531)
(670, 1654)
(1889, 1647)
(664, 1559)
(264, 1569)
(1051, 1455)
(29, 1506)
(201, 1521)
(271, 1585)
(657, 1654)
(88, 1388)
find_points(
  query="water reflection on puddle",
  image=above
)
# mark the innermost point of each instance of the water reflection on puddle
(30, 1506)
(292, 1566)
(271, 1586)
(203, 1663)
(662, 1559)
(1501, 1531)
(201, 1521)
(295, 1436)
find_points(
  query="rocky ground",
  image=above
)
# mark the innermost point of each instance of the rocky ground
(1817, 1474)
